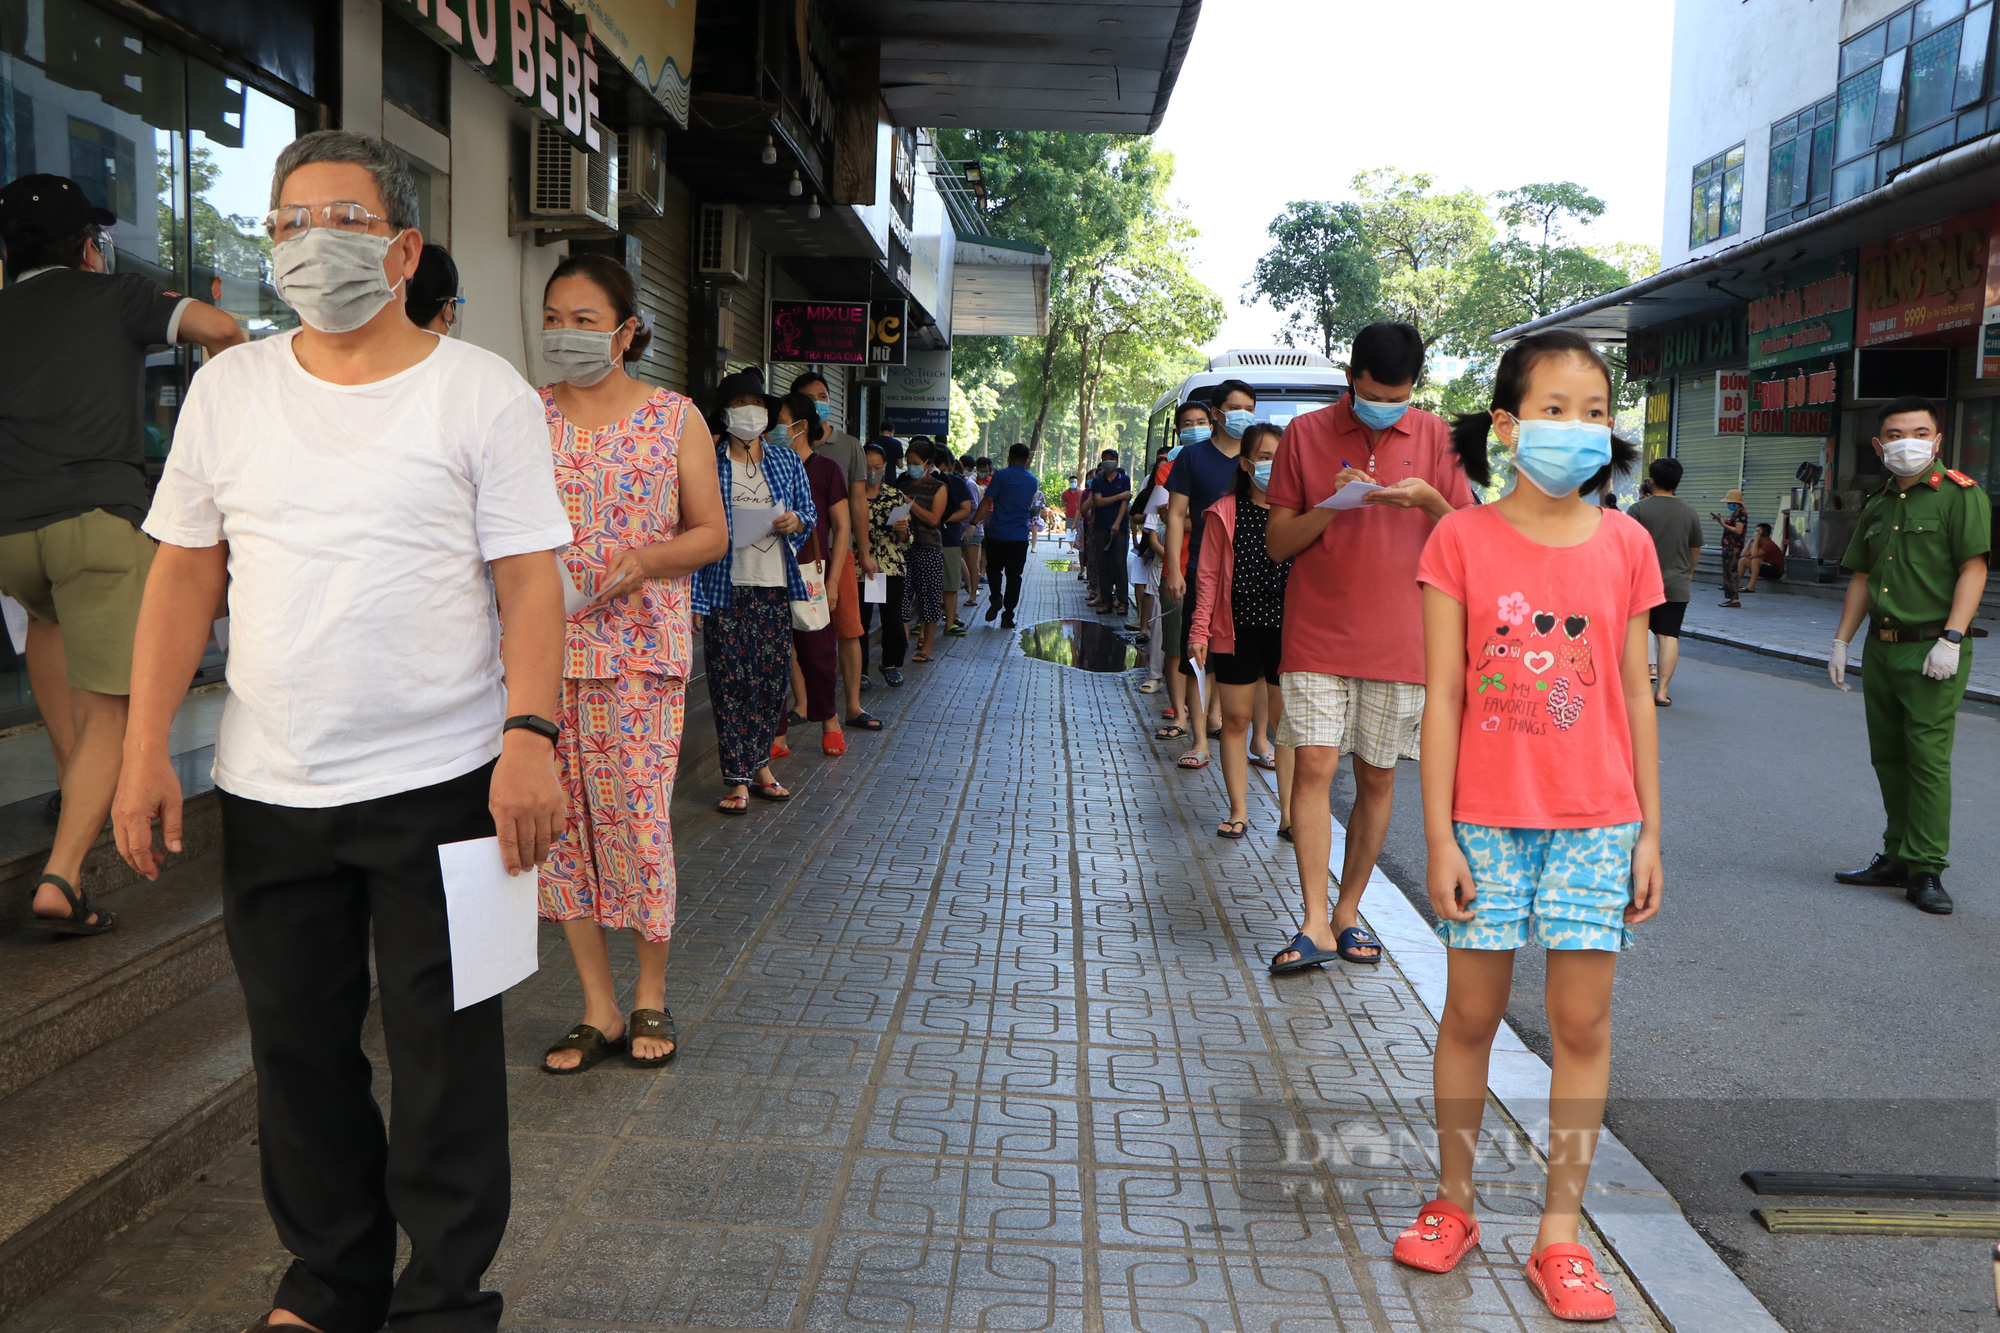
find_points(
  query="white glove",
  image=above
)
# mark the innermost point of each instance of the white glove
(1836, 666)
(1942, 664)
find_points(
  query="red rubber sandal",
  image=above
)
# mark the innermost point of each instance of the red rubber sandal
(1438, 1239)
(1565, 1277)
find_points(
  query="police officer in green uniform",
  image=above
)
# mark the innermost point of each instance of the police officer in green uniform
(1918, 562)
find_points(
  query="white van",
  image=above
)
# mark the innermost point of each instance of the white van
(1289, 383)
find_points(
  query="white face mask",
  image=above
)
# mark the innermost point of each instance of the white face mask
(746, 423)
(581, 356)
(1908, 457)
(334, 279)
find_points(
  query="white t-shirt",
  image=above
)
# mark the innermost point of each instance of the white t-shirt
(364, 642)
(760, 564)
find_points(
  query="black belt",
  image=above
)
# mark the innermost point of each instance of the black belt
(1922, 634)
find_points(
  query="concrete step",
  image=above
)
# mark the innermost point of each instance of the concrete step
(26, 835)
(67, 995)
(90, 1148)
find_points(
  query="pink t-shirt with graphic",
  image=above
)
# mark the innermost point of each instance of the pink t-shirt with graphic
(1545, 743)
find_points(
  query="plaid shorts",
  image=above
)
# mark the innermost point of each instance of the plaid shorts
(1380, 720)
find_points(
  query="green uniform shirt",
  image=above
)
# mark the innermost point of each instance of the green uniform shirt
(1911, 543)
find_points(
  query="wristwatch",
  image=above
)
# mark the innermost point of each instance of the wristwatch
(541, 726)
(1953, 636)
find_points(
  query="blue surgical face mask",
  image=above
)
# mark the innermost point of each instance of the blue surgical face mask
(1173, 453)
(824, 408)
(1559, 456)
(914, 471)
(1379, 416)
(1195, 434)
(1235, 423)
(1261, 474)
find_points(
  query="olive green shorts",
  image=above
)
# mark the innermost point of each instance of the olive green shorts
(954, 568)
(86, 574)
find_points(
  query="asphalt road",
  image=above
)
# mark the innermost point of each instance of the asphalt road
(1772, 1019)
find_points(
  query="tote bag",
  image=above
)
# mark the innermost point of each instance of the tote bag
(812, 612)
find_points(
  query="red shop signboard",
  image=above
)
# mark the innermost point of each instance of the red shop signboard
(1928, 280)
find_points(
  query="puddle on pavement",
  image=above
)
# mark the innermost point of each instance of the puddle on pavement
(1064, 565)
(1083, 644)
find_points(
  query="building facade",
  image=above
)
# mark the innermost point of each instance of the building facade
(765, 168)
(1829, 243)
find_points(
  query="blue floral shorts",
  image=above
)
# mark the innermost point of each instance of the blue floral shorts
(1573, 884)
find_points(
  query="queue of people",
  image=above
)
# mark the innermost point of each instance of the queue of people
(532, 570)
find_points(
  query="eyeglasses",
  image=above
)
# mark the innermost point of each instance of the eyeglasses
(295, 220)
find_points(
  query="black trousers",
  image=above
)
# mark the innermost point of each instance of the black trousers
(303, 890)
(1005, 561)
(895, 633)
(1109, 576)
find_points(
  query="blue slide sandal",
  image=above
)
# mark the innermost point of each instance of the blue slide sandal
(1309, 955)
(1357, 937)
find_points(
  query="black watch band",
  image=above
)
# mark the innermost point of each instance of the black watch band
(1953, 636)
(541, 726)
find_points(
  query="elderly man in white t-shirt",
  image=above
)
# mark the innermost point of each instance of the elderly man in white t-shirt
(368, 494)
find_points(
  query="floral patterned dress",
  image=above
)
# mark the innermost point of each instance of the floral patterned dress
(625, 670)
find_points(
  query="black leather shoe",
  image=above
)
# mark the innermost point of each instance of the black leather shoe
(993, 609)
(1880, 873)
(1007, 620)
(1927, 894)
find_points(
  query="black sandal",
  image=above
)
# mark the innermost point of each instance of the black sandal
(770, 791)
(864, 722)
(81, 909)
(588, 1042)
(657, 1024)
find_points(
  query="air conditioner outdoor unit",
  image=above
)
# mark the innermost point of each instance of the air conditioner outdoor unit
(574, 189)
(722, 249)
(642, 172)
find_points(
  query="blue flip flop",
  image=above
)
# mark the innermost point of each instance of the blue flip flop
(1357, 937)
(1309, 955)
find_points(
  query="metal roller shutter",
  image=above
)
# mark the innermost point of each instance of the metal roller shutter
(1711, 464)
(747, 303)
(663, 289)
(1770, 470)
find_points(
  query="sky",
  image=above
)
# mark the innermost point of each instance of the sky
(1288, 99)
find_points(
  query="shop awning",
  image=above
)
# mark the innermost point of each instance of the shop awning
(1966, 178)
(1100, 65)
(999, 287)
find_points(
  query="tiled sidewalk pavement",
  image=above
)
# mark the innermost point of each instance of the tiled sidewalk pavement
(977, 1035)
(1800, 626)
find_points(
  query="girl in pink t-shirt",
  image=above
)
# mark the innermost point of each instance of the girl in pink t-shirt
(1541, 781)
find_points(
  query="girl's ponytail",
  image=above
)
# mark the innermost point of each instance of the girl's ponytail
(1468, 437)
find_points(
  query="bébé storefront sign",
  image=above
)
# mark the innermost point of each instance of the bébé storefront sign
(541, 54)
(1798, 400)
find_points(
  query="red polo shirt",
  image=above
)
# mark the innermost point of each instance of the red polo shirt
(1353, 607)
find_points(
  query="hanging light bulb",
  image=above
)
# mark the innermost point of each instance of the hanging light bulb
(812, 209)
(797, 187)
(770, 154)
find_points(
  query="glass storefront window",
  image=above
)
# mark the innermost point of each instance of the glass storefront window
(235, 133)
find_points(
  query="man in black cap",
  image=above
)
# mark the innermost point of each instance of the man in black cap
(73, 489)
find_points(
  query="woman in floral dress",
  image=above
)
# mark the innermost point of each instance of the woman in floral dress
(636, 470)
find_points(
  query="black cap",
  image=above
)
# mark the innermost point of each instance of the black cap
(49, 207)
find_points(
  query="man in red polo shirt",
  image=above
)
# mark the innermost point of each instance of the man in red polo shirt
(1352, 668)
(1072, 508)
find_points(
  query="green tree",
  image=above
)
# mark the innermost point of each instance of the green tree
(1078, 194)
(1320, 273)
(1423, 242)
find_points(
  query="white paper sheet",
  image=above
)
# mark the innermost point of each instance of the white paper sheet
(753, 525)
(575, 595)
(875, 588)
(16, 617)
(1200, 690)
(898, 514)
(491, 917)
(1349, 496)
